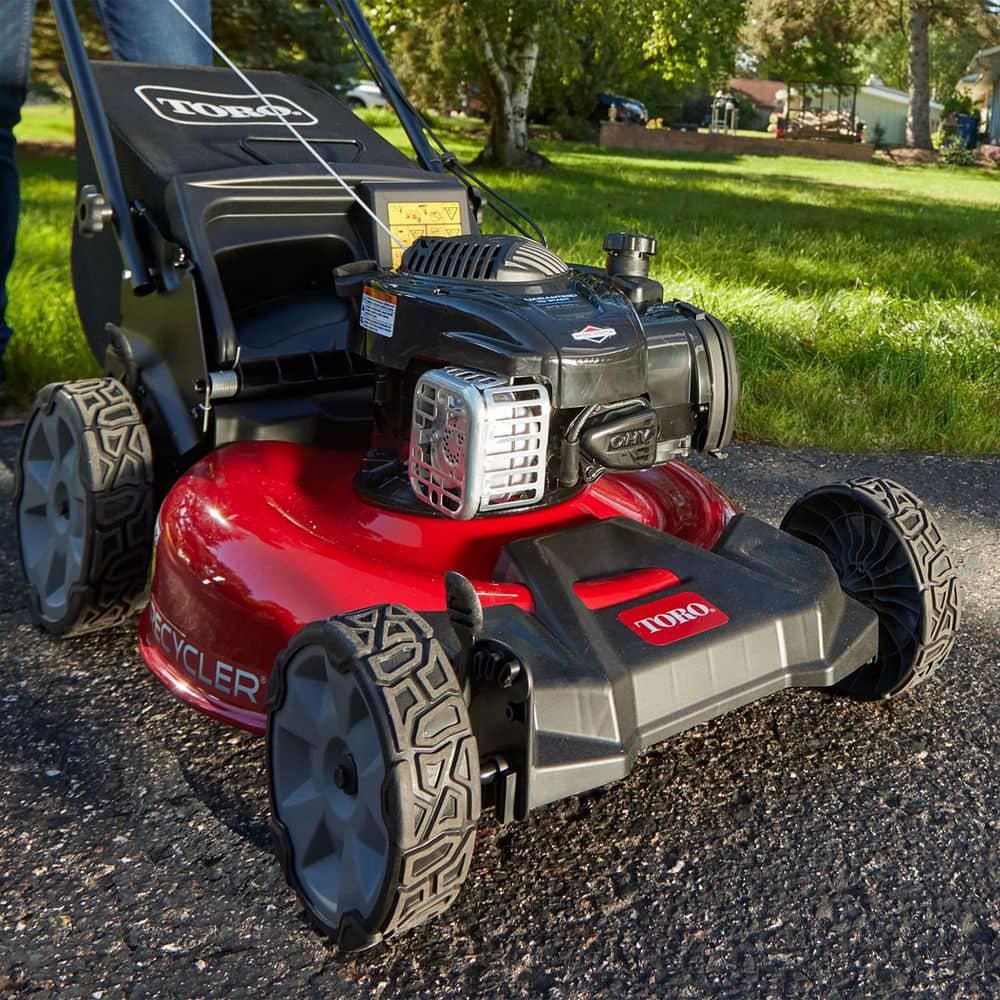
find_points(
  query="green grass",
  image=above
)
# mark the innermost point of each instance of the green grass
(864, 298)
(46, 123)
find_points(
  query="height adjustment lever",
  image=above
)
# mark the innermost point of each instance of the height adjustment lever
(465, 611)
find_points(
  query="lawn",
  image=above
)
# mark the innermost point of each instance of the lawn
(864, 298)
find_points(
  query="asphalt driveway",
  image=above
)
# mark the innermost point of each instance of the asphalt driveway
(803, 846)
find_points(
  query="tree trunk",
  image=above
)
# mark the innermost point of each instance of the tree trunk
(510, 76)
(918, 115)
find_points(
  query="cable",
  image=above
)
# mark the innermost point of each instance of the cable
(390, 87)
(284, 121)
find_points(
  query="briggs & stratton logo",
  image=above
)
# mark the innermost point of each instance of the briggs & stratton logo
(595, 334)
(673, 618)
(197, 107)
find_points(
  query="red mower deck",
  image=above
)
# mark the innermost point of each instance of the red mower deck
(212, 635)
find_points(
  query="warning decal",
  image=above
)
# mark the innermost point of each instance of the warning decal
(378, 311)
(410, 220)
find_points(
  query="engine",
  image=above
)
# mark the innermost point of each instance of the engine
(508, 378)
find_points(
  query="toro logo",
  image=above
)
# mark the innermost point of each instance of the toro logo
(673, 618)
(197, 107)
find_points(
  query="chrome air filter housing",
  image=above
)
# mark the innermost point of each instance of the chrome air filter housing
(479, 442)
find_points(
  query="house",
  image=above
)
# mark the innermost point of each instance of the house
(879, 105)
(983, 85)
(767, 95)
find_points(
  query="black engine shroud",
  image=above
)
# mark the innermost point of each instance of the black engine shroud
(631, 385)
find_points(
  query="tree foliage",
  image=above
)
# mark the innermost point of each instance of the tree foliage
(558, 52)
(688, 41)
(922, 46)
(952, 44)
(804, 39)
(296, 35)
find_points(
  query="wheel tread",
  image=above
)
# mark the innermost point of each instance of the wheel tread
(929, 559)
(116, 470)
(431, 796)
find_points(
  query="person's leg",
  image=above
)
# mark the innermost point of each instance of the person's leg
(15, 55)
(140, 31)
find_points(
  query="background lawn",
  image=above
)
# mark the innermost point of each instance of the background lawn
(864, 298)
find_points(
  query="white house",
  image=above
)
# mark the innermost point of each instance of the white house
(983, 83)
(881, 105)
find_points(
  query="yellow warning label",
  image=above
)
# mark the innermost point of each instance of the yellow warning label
(410, 220)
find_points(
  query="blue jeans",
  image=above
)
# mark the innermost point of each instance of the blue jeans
(138, 30)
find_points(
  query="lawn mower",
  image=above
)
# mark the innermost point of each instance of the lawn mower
(407, 497)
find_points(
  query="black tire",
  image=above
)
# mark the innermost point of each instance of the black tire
(414, 802)
(84, 502)
(889, 554)
(356, 104)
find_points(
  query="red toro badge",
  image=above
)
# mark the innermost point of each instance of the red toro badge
(673, 618)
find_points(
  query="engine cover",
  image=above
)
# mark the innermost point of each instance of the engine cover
(507, 375)
(571, 330)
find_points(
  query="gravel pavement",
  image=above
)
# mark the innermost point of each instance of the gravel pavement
(803, 846)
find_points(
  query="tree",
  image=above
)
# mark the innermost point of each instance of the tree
(952, 44)
(297, 36)
(509, 36)
(918, 111)
(917, 20)
(504, 44)
(807, 40)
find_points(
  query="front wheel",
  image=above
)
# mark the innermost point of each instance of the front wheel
(373, 774)
(84, 503)
(890, 556)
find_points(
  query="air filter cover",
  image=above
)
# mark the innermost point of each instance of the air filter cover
(479, 442)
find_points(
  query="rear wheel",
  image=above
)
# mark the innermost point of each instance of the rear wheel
(84, 501)
(890, 556)
(373, 774)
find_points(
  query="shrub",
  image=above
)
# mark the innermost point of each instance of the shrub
(572, 127)
(954, 155)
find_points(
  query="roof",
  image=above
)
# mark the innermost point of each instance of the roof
(762, 92)
(984, 57)
(984, 72)
(892, 95)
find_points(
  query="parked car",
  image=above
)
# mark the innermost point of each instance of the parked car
(627, 109)
(366, 95)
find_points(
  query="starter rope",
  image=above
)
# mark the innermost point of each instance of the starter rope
(322, 161)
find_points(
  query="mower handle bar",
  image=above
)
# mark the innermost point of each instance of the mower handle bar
(365, 37)
(102, 148)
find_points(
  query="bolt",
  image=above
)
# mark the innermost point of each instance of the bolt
(340, 776)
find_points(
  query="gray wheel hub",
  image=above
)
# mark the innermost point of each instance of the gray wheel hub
(52, 512)
(328, 770)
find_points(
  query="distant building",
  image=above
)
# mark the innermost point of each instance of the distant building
(878, 105)
(983, 85)
(768, 96)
